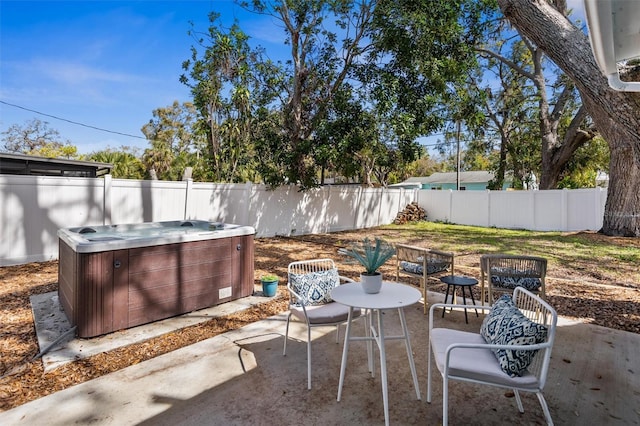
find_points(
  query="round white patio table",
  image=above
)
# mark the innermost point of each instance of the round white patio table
(391, 296)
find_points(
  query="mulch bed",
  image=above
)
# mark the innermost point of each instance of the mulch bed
(579, 291)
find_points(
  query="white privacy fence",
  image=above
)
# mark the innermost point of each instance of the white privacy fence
(550, 210)
(33, 208)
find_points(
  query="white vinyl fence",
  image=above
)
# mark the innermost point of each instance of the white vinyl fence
(550, 210)
(33, 208)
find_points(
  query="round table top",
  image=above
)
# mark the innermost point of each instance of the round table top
(458, 280)
(391, 295)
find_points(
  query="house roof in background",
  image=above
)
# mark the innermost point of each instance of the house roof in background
(20, 164)
(480, 176)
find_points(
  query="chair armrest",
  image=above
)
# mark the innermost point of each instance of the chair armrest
(423, 257)
(442, 253)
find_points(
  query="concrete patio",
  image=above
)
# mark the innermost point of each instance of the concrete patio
(241, 378)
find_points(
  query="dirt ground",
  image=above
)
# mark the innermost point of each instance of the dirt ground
(580, 290)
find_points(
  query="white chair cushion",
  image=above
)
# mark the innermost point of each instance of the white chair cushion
(321, 314)
(474, 363)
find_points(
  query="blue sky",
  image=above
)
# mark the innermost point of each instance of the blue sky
(106, 64)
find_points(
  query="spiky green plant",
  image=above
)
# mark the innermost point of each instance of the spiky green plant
(371, 255)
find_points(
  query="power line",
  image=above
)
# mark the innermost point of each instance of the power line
(73, 122)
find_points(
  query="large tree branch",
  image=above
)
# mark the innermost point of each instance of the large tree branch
(508, 62)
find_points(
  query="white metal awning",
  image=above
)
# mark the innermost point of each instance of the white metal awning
(614, 31)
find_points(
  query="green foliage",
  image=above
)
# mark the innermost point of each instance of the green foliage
(221, 84)
(56, 150)
(582, 169)
(176, 143)
(371, 255)
(126, 165)
(269, 278)
(353, 98)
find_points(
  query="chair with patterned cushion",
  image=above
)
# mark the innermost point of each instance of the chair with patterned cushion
(310, 284)
(422, 263)
(512, 349)
(505, 272)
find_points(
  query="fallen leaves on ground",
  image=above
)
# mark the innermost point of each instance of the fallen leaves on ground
(574, 292)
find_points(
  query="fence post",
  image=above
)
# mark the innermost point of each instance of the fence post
(533, 209)
(106, 199)
(248, 191)
(565, 209)
(599, 216)
(187, 199)
(488, 192)
(325, 206)
(358, 200)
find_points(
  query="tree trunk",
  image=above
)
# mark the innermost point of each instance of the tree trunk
(615, 114)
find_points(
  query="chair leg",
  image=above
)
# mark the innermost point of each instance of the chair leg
(286, 335)
(424, 295)
(308, 357)
(429, 372)
(545, 408)
(445, 400)
(518, 401)
(338, 333)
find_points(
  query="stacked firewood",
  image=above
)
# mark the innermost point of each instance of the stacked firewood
(412, 213)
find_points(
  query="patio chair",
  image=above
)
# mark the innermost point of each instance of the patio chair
(310, 283)
(505, 272)
(422, 263)
(512, 349)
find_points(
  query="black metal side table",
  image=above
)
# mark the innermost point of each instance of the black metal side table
(462, 282)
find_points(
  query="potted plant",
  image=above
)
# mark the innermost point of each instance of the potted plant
(269, 285)
(372, 255)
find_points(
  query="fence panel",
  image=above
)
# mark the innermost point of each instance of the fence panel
(33, 208)
(342, 203)
(469, 207)
(436, 203)
(585, 209)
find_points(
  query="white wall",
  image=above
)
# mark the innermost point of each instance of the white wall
(33, 208)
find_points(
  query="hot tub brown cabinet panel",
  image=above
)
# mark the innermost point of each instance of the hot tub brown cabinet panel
(107, 291)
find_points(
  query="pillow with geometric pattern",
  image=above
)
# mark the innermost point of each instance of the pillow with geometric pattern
(433, 267)
(315, 287)
(510, 278)
(506, 325)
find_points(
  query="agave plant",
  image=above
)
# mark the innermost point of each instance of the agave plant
(371, 254)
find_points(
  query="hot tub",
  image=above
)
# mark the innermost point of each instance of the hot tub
(120, 276)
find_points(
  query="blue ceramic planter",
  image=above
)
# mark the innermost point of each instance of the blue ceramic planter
(269, 288)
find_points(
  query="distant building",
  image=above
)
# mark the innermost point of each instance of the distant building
(469, 181)
(20, 164)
